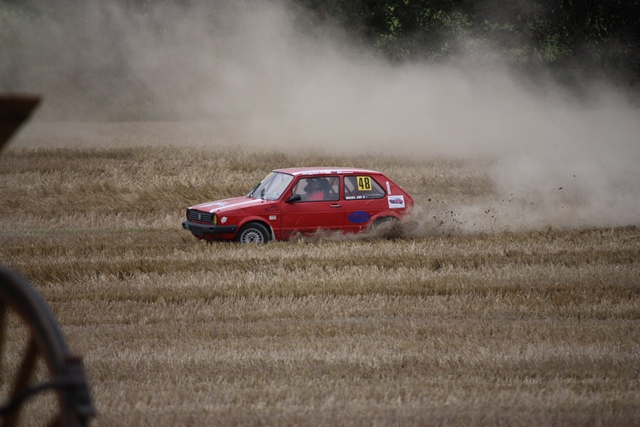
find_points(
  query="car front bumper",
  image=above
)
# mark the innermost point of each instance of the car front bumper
(201, 230)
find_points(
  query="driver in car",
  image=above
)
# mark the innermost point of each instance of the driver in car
(313, 191)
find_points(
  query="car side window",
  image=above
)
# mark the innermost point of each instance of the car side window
(362, 187)
(318, 189)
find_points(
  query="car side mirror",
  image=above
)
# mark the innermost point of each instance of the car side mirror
(294, 198)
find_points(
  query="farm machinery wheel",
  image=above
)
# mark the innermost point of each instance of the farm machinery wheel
(45, 355)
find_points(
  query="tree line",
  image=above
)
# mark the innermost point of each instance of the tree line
(594, 38)
(574, 39)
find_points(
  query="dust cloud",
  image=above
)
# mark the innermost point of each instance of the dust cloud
(259, 74)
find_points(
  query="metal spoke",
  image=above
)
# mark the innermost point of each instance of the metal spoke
(22, 380)
(3, 315)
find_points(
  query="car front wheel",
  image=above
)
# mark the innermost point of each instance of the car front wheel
(253, 232)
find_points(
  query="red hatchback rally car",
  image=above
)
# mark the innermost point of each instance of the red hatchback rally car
(301, 201)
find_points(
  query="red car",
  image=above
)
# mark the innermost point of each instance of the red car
(300, 201)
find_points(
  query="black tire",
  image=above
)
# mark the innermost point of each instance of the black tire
(253, 232)
(388, 227)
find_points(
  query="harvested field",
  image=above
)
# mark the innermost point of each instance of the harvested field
(452, 325)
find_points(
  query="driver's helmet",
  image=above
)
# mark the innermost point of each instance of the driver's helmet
(313, 184)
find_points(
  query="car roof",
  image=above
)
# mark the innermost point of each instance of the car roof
(322, 170)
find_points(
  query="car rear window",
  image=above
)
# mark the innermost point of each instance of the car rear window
(362, 187)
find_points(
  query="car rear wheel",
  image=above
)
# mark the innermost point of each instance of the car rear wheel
(253, 232)
(388, 227)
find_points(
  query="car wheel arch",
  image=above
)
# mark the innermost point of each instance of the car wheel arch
(262, 222)
(383, 217)
(387, 226)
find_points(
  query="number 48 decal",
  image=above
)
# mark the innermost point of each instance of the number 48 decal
(364, 183)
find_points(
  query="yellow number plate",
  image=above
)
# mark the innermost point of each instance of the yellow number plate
(364, 183)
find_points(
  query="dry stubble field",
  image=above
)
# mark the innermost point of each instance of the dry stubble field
(440, 328)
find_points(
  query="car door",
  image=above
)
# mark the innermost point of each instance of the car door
(316, 205)
(364, 198)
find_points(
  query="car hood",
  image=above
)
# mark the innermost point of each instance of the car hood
(225, 205)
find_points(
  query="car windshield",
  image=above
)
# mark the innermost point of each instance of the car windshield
(272, 186)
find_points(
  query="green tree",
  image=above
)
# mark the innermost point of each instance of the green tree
(570, 37)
